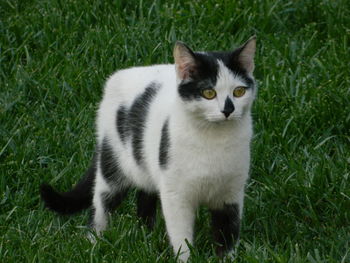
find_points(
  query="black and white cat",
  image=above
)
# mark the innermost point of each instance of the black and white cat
(180, 133)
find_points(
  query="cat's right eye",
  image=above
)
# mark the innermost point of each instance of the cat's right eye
(209, 94)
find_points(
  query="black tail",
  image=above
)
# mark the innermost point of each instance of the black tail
(73, 201)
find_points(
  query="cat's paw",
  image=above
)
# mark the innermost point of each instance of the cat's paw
(226, 255)
(230, 256)
(91, 237)
(183, 257)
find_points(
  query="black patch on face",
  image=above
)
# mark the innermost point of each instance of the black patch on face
(147, 207)
(164, 146)
(137, 118)
(228, 108)
(231, 61)
(203, 77)
(109, 163)
(226, 226)
(122, 123)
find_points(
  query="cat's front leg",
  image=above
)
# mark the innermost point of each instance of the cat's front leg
(226, 227)
(179, 217)
(226, 222)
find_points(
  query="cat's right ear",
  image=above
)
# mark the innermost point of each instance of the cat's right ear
(185, 63)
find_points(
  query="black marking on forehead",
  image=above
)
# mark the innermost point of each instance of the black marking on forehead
(122, 123)
(164, 146)
(205, 76)
(230, 60)
(137, 118)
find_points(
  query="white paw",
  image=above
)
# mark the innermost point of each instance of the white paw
(183, 256)
(91, 237)
(231, 255)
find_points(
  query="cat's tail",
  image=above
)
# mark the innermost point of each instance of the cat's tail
(73, 201)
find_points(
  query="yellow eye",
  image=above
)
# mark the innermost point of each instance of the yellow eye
(239, 92)
(209, 94)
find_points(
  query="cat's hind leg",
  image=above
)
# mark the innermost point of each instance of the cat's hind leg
(110, 188)
(147, 207)
(105, 200)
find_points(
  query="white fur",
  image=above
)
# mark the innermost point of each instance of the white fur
(209, 155)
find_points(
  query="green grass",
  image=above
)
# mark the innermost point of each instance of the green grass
(54, 58)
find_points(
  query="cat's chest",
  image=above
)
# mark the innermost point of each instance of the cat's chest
(208, 156)
(210, 172)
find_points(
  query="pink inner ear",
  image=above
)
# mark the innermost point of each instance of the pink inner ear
(185, 70)
(185, 62)
(247, 55)
(247, 62)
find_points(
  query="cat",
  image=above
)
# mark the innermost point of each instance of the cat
(177, 132)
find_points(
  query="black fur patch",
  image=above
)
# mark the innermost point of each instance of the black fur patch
(231, 61)
(226, 226)
(204, 76)
(164, 146)
(109, 163)
(229, 107)
(147, 207)
(137, 117)
(122, 123)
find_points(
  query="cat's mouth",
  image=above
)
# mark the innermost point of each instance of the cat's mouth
(220, 119)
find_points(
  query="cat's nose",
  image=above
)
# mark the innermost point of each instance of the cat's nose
(228, 108)
(227, 113)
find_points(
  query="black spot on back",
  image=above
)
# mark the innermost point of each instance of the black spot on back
(122, 123)
(164, 145)
(109, 163)
(137, 117)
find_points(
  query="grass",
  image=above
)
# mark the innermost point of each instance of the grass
(54, 58)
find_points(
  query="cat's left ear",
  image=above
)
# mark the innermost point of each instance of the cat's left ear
(185, 62)
(246, 54)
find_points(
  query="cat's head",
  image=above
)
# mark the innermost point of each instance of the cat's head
(216, 86)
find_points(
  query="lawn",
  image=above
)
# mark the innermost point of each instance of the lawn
(54, 58)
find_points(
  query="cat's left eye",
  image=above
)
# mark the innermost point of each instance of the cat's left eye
(209, 94)
(239, 92)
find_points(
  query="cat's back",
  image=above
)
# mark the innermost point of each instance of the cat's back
(125, 84)
(130, 89)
